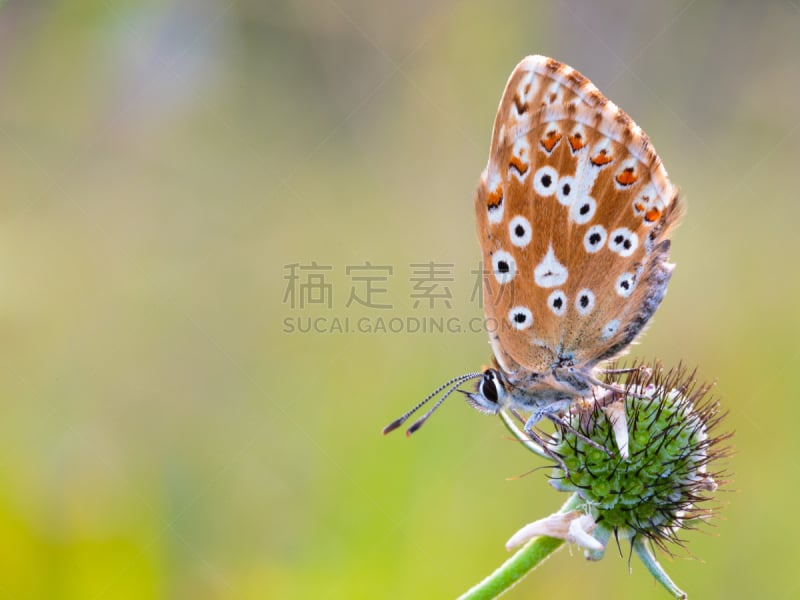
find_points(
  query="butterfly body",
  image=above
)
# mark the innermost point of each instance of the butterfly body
(573, 213)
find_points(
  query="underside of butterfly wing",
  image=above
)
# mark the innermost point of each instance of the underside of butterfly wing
(573, 213)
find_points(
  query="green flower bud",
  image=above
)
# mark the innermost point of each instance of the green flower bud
(664, 483)
(640, 461)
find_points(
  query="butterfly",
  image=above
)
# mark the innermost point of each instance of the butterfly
(573, 210)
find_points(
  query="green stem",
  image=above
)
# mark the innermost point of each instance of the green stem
(523, 437)
(518, 566)
(645, 553)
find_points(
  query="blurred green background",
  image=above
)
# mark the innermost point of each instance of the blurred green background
(168, 431)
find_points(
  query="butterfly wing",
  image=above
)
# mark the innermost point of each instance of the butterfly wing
(573, 213)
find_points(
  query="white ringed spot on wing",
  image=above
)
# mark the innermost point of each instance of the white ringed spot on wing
(584, 302)
(519, 231)
(622, 241)
(545, 181)
(595, 238)
(610, 329)
(557, 302)
(504, 266)
(583, 210)
(565, 192)
(520, 317)
(625, 284)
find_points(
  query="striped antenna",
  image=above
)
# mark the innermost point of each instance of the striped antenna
(455, 382)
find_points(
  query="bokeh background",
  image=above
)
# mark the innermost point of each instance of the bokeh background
(171, 429)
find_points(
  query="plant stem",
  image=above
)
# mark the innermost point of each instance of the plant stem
(523, 437)
(518, 566)
(645, 553)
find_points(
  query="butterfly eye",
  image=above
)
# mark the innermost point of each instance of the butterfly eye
(489, 388)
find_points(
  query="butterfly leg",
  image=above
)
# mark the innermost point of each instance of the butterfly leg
(621, 371)
(617, 389)
(535, 417)
(566, 425)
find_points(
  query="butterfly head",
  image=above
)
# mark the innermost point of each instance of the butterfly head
(490, 394)
(489, 397)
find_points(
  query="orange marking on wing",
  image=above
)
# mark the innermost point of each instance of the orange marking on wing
(521, 106)
(495, 199)
(520, 166)
(549, 142)
(576, 142)
(627, 177)
(652, 215)
(602, 158)
(638, 207)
